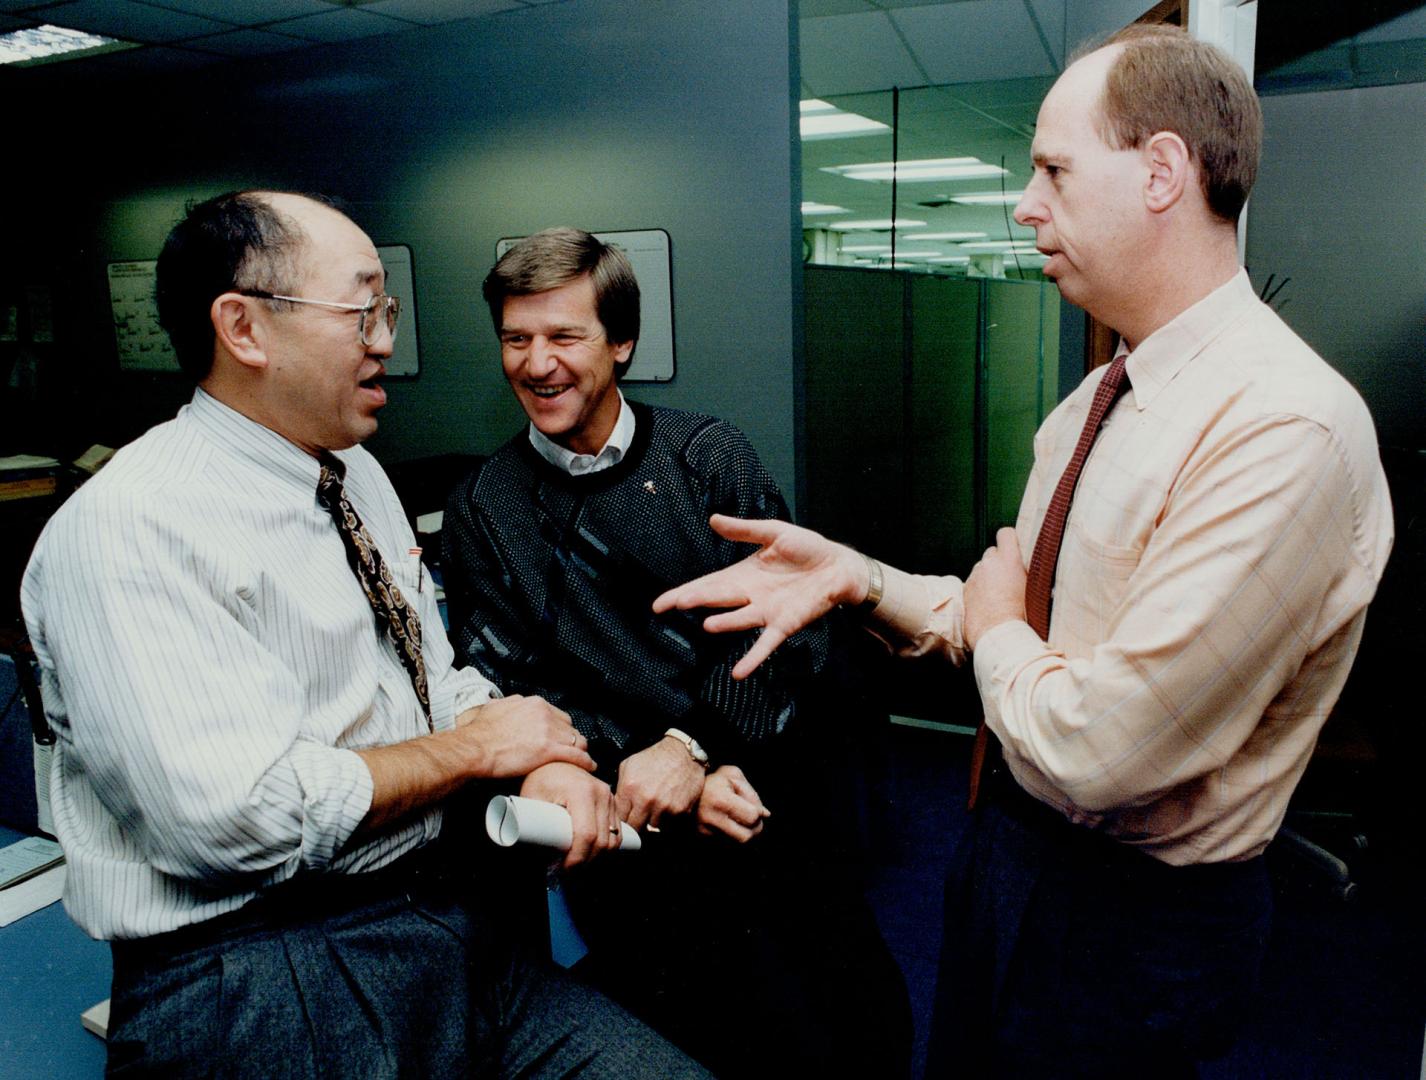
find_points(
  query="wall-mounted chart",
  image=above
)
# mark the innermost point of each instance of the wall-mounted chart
(142, 344)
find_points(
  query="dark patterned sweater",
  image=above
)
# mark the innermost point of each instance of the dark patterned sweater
(550, 577)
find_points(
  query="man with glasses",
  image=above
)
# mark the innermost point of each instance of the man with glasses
(742, 936)
(257, 718)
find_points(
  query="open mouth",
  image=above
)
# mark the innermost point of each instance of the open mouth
(546, 392)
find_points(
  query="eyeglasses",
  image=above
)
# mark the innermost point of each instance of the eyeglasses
(380, 308)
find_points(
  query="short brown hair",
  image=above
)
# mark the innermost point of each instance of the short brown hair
(555, 257)
(1165, 80)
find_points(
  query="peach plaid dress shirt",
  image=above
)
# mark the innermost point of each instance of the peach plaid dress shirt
(1229, 528)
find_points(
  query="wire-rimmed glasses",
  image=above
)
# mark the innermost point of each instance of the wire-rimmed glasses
(380, 308)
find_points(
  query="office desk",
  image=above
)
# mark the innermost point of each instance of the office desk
(50, 972)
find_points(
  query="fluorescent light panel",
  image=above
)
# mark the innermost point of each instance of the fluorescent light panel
(823, 120)
(925, 236)
(1000, 245)
(988, 198)
(43, 44)
(925, 169)
(809, 208)
(877, 225)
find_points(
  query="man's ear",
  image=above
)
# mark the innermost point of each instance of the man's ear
(238, 328)
(623, 352)
(1171, 169)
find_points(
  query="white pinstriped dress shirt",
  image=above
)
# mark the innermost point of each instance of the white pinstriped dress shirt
(1229, 528)
(209, 663)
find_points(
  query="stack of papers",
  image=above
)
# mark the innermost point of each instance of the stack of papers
(31, 877)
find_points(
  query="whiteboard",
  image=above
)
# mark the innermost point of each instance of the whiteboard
(649, 252)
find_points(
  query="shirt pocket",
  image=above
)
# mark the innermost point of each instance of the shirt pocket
(410, 576)
(1091, 585)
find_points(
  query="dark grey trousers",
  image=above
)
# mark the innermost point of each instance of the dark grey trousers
(398, 976)
(1070, 956)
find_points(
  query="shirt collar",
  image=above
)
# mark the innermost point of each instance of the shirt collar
(250, 441)
(609, 455)
(1162, 355)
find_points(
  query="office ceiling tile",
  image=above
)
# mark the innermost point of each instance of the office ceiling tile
(431, 12)
(148, 60)
(130, 21)
(248, 43)
(347, 24)
(249, 12)
(846, 53)
(966, 42)
(818, 9)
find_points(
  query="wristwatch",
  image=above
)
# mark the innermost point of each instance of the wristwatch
(696, 752)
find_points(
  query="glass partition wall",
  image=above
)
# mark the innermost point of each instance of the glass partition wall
(932, 340)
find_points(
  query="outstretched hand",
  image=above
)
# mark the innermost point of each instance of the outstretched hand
(795, 578)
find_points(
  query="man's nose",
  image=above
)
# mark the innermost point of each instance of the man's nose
(543, 356)
(384, 344)
(1028, 210)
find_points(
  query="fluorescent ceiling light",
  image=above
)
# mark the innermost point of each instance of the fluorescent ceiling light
(822, 208)
(950, 260)
(1000, 245)
(988, 198)
(926, 169)
(43, 44)
(866, 249)
(931, 254)
(877, 225)
(946, 236)
(823, 120)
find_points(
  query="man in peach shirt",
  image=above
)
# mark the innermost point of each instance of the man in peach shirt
(1108, 911)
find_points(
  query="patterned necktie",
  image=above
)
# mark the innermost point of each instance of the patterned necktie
(1041, 576)
(393, 615)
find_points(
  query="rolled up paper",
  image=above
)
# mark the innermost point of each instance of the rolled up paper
(511, 819)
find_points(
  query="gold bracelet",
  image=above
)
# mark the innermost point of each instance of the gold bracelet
(876, 585)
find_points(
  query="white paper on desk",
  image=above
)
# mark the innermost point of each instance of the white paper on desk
(29, 896)
(511, 819)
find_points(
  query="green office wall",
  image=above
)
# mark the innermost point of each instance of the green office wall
(945, 314)
(855, 461)
(1015, 391)
(922, 396)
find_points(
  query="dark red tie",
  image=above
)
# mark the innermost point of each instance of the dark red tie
(1040, 578)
